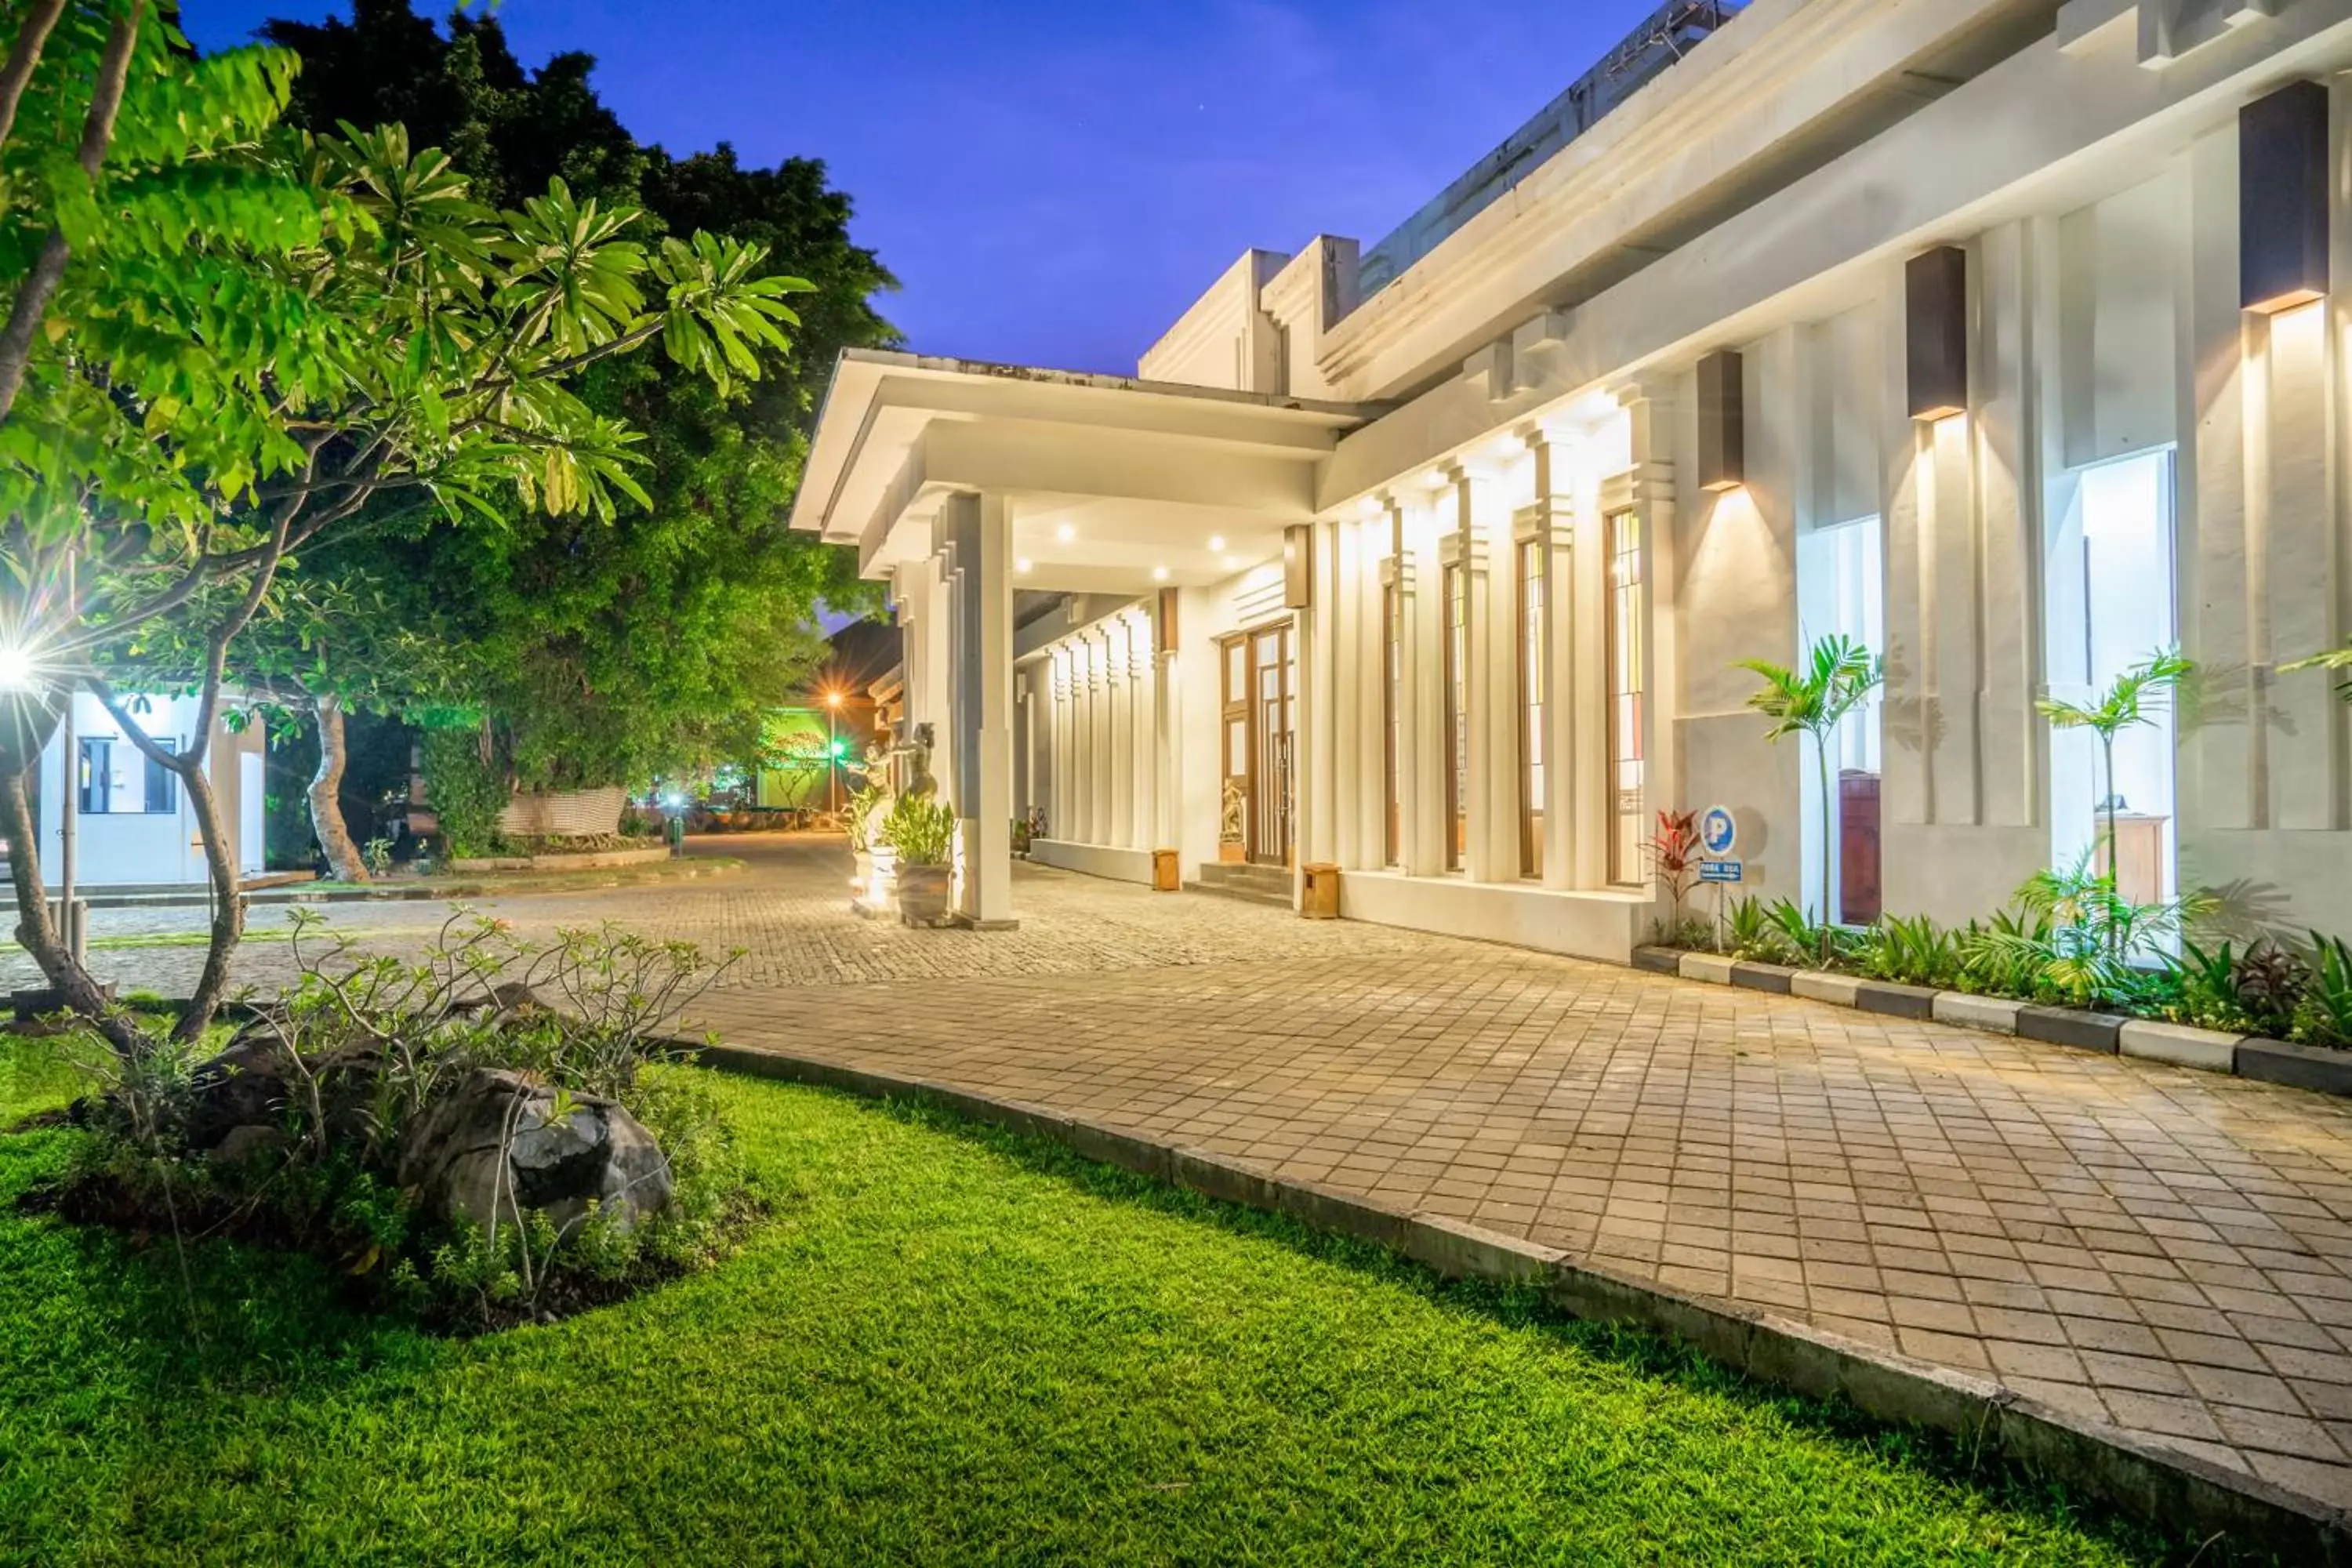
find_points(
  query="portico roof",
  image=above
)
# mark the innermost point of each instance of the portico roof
(1116, 485)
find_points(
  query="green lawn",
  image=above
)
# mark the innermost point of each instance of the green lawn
(949, 1346)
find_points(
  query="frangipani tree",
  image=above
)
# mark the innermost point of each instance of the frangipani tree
(1838, 675)
(2128, 702)
(411, 353)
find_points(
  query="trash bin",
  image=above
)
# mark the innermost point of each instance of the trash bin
(1320, 898)
(1166, 878)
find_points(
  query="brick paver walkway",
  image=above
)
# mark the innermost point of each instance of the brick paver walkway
(2163, 1250)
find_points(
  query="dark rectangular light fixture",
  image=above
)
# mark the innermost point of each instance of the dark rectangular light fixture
(1722, 422)
(1163, 621)
(1935, 332)
(2282, 198)
(1298, 567)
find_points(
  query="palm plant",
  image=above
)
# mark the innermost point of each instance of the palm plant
(1837, 677)
(2125, 703)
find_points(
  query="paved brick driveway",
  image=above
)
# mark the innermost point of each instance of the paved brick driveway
(2162, 1249)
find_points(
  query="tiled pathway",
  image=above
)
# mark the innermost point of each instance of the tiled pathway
(2159, 1249)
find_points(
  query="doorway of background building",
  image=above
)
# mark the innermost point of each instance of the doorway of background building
(1261, 700)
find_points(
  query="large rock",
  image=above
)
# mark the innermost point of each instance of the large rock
(495, 1148)
(244, 1100)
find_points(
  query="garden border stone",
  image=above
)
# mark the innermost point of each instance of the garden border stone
(1894, 1000)
(1712, 967)
(1820, 985)
(2100, 1032)
(1658, 960)
(1772, 977)
(2177, 1490)
(2299, 1066)
(2182, 1045)
(1994, 1014)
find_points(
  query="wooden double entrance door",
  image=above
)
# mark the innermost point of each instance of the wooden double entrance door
(1260, 678)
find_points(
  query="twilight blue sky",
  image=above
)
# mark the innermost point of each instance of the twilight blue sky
(1052, 181)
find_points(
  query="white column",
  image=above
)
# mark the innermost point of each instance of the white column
(1122, 734)
(1423, 767)
(1555, 527)
(1144, 749)
(1102, 810)
(1491, 852)
(1316, 789)
(1345, 618)
(988, 599)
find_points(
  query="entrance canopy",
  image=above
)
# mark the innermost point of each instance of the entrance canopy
(1111, 484)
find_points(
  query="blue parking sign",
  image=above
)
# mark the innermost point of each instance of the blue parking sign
(1718, 831)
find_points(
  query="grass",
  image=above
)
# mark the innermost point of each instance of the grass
(949, 1345)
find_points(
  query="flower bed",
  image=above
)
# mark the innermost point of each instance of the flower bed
(2072, 963)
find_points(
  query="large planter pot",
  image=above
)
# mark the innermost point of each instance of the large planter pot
(922, 895)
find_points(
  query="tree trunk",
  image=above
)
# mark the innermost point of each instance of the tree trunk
(228, 903)
(344, 857)
(37, 934)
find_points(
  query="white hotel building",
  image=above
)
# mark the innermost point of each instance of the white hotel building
(2002, 335)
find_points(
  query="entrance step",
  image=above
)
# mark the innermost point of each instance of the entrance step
(1268, 884)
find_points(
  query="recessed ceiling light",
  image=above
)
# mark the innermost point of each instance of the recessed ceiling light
(1159, 573)
(1022, 565)
(1216, 542)
(1066, 534)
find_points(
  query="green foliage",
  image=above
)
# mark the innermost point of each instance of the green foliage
(465, 792)
(1838, 676)
(860, 806)
(2257, 992)
(2076, 937)
(919, 831)
(1751, 933)
(2125, 703)
(657, 641)
(1911, 950)
(2323, 1014)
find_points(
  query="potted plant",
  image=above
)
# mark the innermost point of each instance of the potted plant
(920, 833)
(1232, 812)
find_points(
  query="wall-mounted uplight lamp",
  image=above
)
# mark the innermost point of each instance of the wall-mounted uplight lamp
(1935, 332)
(2282, 199)
(1722, 422)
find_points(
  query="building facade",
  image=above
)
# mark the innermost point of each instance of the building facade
(2004, 337)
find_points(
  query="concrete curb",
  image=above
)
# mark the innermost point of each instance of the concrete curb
(2150, 1039)
(2140, 1480)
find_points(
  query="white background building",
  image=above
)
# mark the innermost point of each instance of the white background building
(132, 824)
(1424, 561)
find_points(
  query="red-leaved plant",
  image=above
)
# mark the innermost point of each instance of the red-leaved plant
(1674, 852)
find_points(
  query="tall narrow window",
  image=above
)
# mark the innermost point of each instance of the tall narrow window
(2110, 606)
(1457, 715)
(1533, 576)
(97, 779)
(162, 796)
(1392, 694)
(1628, 687)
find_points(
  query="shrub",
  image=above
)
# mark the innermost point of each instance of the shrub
(465, 792)
(2322, 1015)
(1910, 952)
